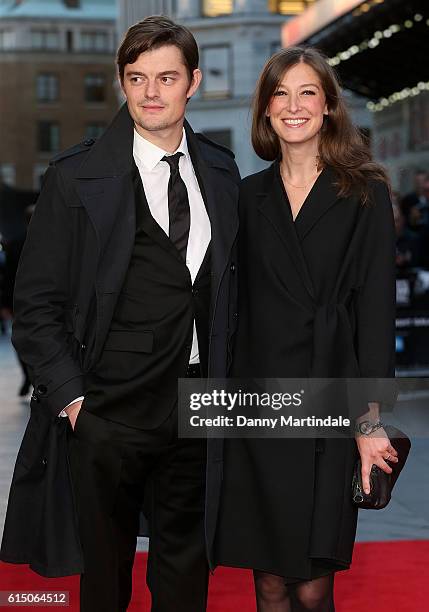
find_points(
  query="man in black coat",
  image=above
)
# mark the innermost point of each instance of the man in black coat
(126, 283)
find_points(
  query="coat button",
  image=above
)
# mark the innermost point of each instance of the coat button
(195, 291)
(41, 389)
(88, 142)
(232, 267)
(44, 461)
(83, 346)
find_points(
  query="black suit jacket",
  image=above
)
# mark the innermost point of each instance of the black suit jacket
(71, 272)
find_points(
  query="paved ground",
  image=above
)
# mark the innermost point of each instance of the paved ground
(406, 517)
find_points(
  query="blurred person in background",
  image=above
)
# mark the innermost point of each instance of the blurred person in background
(418, 210)
(416, 198)
(15, 207)
(408, 244)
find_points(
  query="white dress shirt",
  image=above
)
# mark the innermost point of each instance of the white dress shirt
(155, 175)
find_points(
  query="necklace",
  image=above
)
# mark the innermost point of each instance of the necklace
(299, 186)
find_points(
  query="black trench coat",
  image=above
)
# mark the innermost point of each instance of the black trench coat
(316, 299)
(73, 265)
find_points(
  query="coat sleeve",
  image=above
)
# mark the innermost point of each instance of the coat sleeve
(42, 298)
(376, 301)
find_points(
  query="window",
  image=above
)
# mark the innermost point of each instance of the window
(47, 87)
(216, 70)
(48, 137)
(289, 7)
(94, 41)
(95, 88)
(69, 40)
(222, 137)
(7, 40)
(7, 174)
(94, 130)
(45, 39)
(212, 8)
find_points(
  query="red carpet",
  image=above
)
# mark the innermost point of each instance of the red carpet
(386, 577)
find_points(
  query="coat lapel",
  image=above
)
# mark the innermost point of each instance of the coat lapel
(104, 183)
(220, 195)
(274, 206)
(320, 199)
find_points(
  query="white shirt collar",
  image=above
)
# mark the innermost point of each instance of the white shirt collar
(150, 155)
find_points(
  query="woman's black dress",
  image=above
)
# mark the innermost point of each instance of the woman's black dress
(316, 298)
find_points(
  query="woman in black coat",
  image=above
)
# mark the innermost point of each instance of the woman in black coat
(316, 299)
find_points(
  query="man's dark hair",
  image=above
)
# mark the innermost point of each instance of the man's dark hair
(154, 32)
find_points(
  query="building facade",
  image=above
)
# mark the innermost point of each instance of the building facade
(235, 37)
(57, 76)
(401, 139)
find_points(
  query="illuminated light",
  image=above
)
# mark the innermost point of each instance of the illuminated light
(213, 8)
(365, 8)
(427, 22)
(408, 24)
(374, 42)
(397, 96)
(378, 36)
(334, 61)
(418, 17)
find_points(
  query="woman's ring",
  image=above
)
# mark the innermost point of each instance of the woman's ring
(388, 457)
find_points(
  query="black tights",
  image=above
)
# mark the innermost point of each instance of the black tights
(272, 595)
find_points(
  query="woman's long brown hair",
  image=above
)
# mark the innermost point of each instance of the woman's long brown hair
(341, 145)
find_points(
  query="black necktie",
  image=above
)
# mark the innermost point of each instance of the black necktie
(178, 206)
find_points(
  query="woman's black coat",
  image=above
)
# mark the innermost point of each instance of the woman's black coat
(316, 299)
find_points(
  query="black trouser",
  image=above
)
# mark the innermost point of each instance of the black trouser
(117, 469)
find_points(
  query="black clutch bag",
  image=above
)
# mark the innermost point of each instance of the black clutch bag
(381, 483)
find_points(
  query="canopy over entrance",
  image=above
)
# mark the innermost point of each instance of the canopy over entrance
(378, 47)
